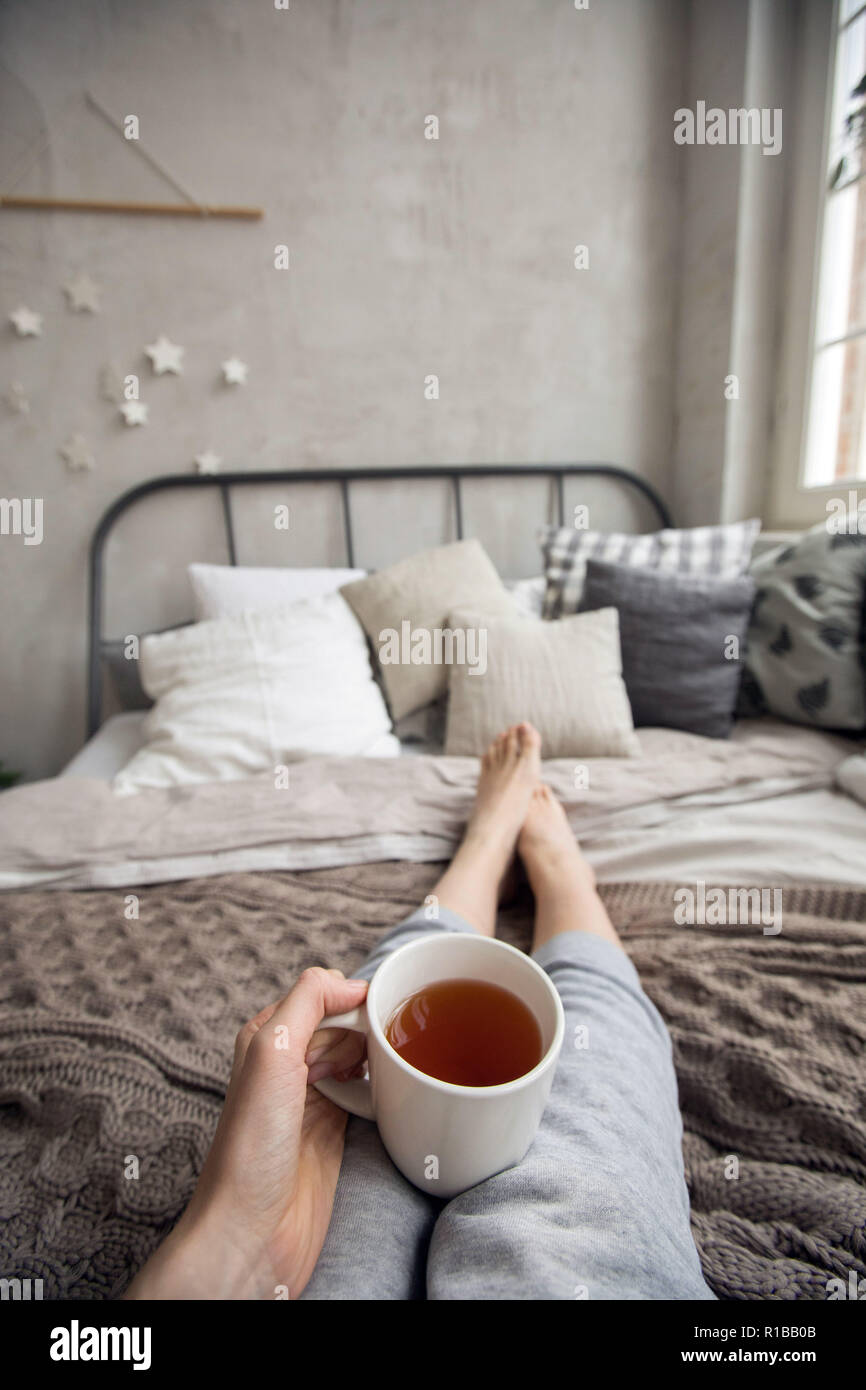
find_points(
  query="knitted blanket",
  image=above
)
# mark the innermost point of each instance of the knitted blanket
(118, 1016)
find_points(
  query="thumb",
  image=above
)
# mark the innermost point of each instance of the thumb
(317, 994)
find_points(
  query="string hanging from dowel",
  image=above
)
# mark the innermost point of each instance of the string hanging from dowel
(192, 207)
(36, 149)
(139, 148)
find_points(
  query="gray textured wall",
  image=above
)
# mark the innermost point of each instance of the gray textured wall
(715, 68)
(408, 257)
(736, 221)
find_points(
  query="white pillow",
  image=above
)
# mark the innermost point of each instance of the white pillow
(225, 591)
(240, 696)
(527, 595)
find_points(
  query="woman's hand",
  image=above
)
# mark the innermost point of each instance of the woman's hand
(257, 1220)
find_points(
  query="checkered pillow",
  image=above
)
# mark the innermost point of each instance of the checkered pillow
(724, 551)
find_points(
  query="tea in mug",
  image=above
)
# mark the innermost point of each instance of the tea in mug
(468, 1032)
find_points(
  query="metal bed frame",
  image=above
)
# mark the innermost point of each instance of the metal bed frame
(343, 477)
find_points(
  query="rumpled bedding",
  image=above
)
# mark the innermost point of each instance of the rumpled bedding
(75, 832)
(137, 935)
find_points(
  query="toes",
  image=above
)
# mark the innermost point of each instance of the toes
(514, 742)
(530, 738)
(493, 756)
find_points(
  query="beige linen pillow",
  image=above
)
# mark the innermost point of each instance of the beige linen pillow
(413, 597)
(565, 677)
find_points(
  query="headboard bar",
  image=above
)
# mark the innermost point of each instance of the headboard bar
(458, 506)
(344, 476)
(347, 523)
(230, 526)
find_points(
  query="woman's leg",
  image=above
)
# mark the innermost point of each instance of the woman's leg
(598, 1208)
(510, 770)
(380, 1229)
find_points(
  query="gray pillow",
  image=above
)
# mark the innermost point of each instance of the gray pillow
(805, 644)
(681, 638)
(722, 551)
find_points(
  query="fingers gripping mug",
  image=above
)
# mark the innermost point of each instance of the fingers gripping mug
(445, 1137)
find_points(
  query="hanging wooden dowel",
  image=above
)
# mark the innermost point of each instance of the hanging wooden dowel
(193, 207)
(157, 209)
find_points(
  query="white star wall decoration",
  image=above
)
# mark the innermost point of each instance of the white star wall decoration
(27, 324)
(165, 356)
(78, 454)
(17, 400)
(235, 371)
(83, 294)
(134, 412)
(207, 462)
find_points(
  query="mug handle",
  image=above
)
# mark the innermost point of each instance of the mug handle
(354, 1095)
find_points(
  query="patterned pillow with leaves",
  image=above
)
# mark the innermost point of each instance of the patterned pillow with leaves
(805, 648)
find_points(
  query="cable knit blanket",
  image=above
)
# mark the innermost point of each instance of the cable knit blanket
(116, 1034)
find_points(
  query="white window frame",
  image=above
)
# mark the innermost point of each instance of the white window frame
(790, 502)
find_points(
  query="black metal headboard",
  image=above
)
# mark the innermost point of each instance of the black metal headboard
(343, 478)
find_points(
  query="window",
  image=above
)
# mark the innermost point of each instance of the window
(835, 447)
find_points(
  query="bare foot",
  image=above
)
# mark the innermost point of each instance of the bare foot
(510, 771)
(561, 879)
(547, 844)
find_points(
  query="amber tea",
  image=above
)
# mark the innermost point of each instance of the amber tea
(468, 1032)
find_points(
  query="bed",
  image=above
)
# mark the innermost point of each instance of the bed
(138, 934)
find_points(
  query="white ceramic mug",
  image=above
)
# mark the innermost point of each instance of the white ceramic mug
(446, 1138)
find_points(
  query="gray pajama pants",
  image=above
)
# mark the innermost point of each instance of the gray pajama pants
(598, 1208)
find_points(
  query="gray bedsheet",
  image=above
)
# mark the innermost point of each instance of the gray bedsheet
(75, 832)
